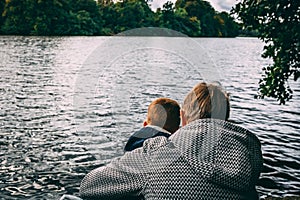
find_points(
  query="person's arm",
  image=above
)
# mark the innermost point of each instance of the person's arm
(121, 179)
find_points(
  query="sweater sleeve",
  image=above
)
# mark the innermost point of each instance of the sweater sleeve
(123, 178)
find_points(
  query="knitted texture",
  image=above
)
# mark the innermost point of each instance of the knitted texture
(207, 159)
(138, 138)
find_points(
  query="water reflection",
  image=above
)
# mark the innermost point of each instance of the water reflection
(48, 144)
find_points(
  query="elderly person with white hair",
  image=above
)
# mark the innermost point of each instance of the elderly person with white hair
(208, 158)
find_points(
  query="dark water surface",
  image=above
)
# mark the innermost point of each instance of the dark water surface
(68, 105)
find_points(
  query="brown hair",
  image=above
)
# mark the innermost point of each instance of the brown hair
(165, 113)
(206, 101)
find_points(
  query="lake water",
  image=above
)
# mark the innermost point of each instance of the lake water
(69, 104)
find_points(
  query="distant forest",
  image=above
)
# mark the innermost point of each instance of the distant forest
(196, 18)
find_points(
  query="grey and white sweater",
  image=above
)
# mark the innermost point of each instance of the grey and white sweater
(207, 159)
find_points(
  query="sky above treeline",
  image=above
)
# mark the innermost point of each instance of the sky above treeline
(219, 5)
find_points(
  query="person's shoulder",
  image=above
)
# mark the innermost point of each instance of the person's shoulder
(145, 132)
(153, 144)
(209, 123)
(142, 135)
(213, 128)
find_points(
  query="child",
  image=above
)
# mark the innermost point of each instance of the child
(163, 119)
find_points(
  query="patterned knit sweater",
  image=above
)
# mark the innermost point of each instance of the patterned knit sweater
(138, 138)
(207, 159)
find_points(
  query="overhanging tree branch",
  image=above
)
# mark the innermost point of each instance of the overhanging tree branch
(278, 25)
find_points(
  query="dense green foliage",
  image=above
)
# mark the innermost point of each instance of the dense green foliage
(107, 17)
(278, 25)
(2, 4)
(178, 20)
(212, 23)
(125, 15)
(44, 17)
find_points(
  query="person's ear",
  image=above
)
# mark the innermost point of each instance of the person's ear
(145, 123)
(183, 118)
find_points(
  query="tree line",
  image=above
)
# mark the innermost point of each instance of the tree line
(107, 17)
(276, 22)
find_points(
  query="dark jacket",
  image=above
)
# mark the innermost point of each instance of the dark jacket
(138, 138)
(206, 159)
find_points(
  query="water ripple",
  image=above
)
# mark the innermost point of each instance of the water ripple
(48, 144)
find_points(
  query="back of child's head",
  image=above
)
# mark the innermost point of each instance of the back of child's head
(165, 113)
